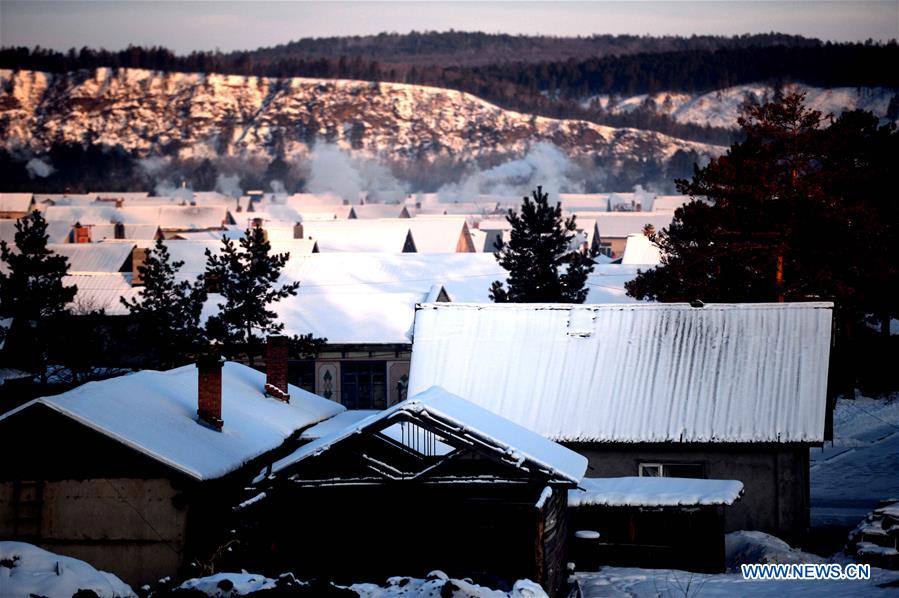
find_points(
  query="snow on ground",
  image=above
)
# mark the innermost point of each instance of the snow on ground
(437, 583)
(861, 467)
(747, 547)
(228, 584)
(26, 570)
(668, 583)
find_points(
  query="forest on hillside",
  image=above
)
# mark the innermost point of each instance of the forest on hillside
(548, 76)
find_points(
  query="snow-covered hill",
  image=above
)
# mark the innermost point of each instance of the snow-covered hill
(720, 108)
(197, 115)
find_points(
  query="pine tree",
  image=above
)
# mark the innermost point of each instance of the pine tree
(167, 310)
(32, 293)
(246, 277)
(542, 266)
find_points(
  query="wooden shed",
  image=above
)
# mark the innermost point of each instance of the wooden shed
(434, 482)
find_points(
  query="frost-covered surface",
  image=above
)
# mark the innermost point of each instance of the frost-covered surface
(15, 202)
(156, 414)
(627, 582)
(654, 492)
(639, 250)
(634, 373)
(861, 467)
(225, 585)
(518, 444)
(144, 111)
(26, 570)
(720, 108)
(748, 547)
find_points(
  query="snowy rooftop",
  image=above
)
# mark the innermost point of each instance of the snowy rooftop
(524, 446)
(15, 202)
(634, 373)
(156, 413)
(654, 492)
(618, 225)
(639, 250)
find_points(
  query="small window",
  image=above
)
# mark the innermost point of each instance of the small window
(650, 470)
(671, 470)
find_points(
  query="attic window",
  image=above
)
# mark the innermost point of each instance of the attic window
(422, 441)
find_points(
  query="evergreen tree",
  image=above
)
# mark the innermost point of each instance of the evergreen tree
(168, 311)
(543, 267)
(32, 293)
(797, 211)
(246, 277)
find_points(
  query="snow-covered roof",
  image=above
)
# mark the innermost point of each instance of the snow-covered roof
(15, 202)
(370, 211)
(520, 444)
(375, 236)
(165, 216)
(156, 413)
(669, 203)
(125, 195)
(101, 290)
(634, 373)
(440, 235)
(654, 492)
(93, 257)
(339, 422)
(639, 250)
(618, 225)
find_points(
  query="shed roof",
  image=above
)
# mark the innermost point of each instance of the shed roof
(634, 373)
(155, 413)
(520, 446)
(654, 492)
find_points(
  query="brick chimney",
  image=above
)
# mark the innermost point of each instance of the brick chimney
(276, 350)
(209, 391)
(298, 230)
(81, 233)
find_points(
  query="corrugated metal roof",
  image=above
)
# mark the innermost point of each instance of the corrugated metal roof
(634, 373)
(93, 257)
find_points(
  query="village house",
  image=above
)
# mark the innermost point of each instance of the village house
(15, 205)
(434, 481)
(136, 474)
(732, 392)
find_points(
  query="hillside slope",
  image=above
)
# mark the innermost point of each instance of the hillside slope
(196, 115)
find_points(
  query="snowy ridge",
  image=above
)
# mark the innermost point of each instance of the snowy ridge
(244, 116)
(720, 108)
(634, 373)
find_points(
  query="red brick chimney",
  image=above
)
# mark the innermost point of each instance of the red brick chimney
(276, 350)
(209, 391)
(81, 234)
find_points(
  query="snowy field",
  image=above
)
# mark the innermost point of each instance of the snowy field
(861, 468)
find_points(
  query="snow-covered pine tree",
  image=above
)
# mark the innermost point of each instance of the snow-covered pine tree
(32, 293)
(246, 277)
(168, 310)
(542, 265)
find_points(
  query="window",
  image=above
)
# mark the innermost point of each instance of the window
(302, 374)
(671, 470)
(363, 385)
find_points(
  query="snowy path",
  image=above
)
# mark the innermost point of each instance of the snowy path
(861, 468)
(615, 582)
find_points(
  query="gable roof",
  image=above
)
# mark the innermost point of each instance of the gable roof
(518, 446)
(634, 373)
(93, 257)
(639, 250)
(155, 413)
(379, 236)
(15, 202)
(618, 225)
